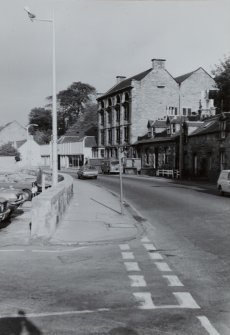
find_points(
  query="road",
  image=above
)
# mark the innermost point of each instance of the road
(191, 227)
(171, 280)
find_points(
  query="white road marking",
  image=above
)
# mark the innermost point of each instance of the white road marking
(173, 280)
(127, 255)
(137, 281)
(41, 315)
(149, 246)
(132, 266)
(162, 266)
(145, 300)
(145, 239)
(207, 325)
(155, 255)
(12, 250)
(185, 300)
(124, 247)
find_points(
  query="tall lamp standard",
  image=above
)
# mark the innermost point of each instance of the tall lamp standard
(54, 102)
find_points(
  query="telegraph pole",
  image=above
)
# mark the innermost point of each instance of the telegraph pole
(181, 149)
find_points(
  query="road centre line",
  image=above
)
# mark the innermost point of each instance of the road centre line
(155, 255)
(162, 266)
(173, 280)
(40, 315)
(207, 325)
(132, 266)
(12, 250)
(137, 281)
(184, 299)
(127, 255)
(145, 239)
(149, 246)
(124, 247)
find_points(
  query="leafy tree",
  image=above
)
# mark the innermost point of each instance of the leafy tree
(42, 117)
(73, 101)
(42, 136)
(222, 77)
(8, 150)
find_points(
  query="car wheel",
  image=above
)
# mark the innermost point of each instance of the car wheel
(95, 177)
(221, 191)
(78, 176)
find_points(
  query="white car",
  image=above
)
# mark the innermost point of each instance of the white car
(223, 182)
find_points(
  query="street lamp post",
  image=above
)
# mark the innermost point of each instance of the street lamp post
(181, 149)
(54, 101)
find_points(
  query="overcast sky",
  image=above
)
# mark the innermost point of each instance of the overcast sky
(98, 40)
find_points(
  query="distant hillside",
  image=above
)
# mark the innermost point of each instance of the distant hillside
(86, 124)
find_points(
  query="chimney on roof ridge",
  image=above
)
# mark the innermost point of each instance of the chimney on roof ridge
(158, 63)
(120, 79)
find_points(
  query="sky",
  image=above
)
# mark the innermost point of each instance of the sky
(98, 40)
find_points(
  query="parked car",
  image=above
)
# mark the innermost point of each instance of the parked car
(14, 197)
(223, 183)
(4, 209)
(87, 172)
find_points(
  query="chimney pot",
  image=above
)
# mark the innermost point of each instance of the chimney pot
(158, 63)
(120, 79)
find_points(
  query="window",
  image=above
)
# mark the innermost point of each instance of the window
(189, 111)
(184, 111)
(126, 113)
(126, 134)
(222, 160)
(102, 118)
(118, 135)
(110, 136)
(102, 137)
(118, 115)
(222, 129)
(110, 117)
(173, 128)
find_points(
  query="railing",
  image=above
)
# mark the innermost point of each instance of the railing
(168, 173)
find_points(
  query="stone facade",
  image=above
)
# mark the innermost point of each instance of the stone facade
(125, 109)
(207, 151)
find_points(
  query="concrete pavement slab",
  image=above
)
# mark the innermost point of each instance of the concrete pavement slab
(94, 215)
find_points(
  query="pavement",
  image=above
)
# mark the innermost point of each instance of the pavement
(94, 216)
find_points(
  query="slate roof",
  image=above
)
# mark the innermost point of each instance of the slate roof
(158, 139)
(90, 142)
(125, 83)
(69, 139)
(209, 126)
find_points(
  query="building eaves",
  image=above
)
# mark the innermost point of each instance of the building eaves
(124, 84)
(158, 139)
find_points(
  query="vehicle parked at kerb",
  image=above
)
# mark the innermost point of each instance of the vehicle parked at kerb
(223, 182)
(87, 172)
(4, 209)
(14, 196)
(110, 166)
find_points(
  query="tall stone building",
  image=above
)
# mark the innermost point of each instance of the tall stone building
(124, 110)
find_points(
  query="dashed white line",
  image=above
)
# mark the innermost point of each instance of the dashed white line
(145, 239)
(132, 266)
(124, 247)
(207, 325)
(137, 281)
(162, 266)
(149, 246)
(173, 280)
(145, 300)
(12, 250)
(127, 255)
(185, 300)
(155, 255)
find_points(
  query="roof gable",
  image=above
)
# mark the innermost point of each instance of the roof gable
(125, 83)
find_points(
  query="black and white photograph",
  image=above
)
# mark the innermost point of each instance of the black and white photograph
(115, 167)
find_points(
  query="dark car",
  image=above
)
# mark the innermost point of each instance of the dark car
(4, 209)
(87, 172)
(14, 197)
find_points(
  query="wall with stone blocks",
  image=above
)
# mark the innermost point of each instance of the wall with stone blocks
(48, 208)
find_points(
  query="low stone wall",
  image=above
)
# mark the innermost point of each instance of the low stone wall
(49, 207)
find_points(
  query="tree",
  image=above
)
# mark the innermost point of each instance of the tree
(222, 77)
(8, 150)
(73, 101)
(42, 117)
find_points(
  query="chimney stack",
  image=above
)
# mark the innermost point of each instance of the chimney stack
(158, 63)
(120, 79)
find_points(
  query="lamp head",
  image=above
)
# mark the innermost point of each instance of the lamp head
(31, 15)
